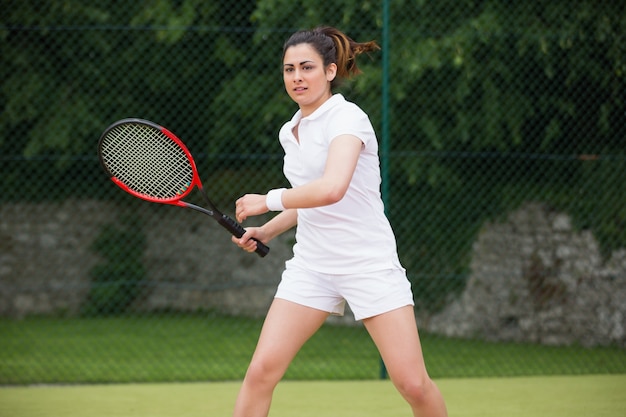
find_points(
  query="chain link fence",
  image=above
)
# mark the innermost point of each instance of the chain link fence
(502, 145)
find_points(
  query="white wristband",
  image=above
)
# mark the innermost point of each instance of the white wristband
(274, 199)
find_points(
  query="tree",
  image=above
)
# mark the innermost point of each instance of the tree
(71, 68)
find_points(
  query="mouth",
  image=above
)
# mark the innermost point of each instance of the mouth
(299, 89)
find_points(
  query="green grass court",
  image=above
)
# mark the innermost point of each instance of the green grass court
(204, 348)
(135, 367)
(555, 396)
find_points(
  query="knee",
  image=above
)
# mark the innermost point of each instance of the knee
(416, 391)
(263, 373)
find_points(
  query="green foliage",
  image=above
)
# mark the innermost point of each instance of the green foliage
(600, 204)
(116, 282)
(508, 76)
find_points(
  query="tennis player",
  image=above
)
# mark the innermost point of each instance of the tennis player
(346, 249)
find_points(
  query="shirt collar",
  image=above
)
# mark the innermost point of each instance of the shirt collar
(326, 106)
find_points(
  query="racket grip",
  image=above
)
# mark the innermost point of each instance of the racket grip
(237, 230)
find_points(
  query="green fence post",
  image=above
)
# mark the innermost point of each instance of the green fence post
(384, 142)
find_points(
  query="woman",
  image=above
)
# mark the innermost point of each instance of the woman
(345, 250)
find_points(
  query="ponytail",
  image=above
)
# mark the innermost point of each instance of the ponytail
(347, 51)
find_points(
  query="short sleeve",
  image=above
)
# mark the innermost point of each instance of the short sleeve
(350, 120)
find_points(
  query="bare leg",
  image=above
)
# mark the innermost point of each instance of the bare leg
(396, 336)
(287, 327)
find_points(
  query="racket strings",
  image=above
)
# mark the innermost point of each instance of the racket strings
(147, 161)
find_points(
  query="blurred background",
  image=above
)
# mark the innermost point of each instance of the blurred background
(503, 150)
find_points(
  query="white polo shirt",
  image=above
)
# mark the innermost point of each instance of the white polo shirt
(352, 235)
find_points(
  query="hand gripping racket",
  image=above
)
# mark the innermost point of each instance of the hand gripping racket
(151, 163)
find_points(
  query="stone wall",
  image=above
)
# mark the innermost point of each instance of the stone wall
(46, 257)
(534, 278)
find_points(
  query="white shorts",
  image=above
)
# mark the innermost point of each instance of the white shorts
(368, 294)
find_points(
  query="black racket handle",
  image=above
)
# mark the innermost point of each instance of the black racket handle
(237, 230)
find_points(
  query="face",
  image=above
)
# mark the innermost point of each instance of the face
(306, 80)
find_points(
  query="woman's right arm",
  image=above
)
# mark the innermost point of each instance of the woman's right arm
(276, 226)
(279, 224)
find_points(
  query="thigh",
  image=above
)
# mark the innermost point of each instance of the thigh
(396, 337)
(286, 328)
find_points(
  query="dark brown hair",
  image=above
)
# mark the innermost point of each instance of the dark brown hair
(334, 46)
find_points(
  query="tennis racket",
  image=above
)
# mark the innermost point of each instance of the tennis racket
(150, 162)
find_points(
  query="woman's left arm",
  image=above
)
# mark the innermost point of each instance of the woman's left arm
(343, 155)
